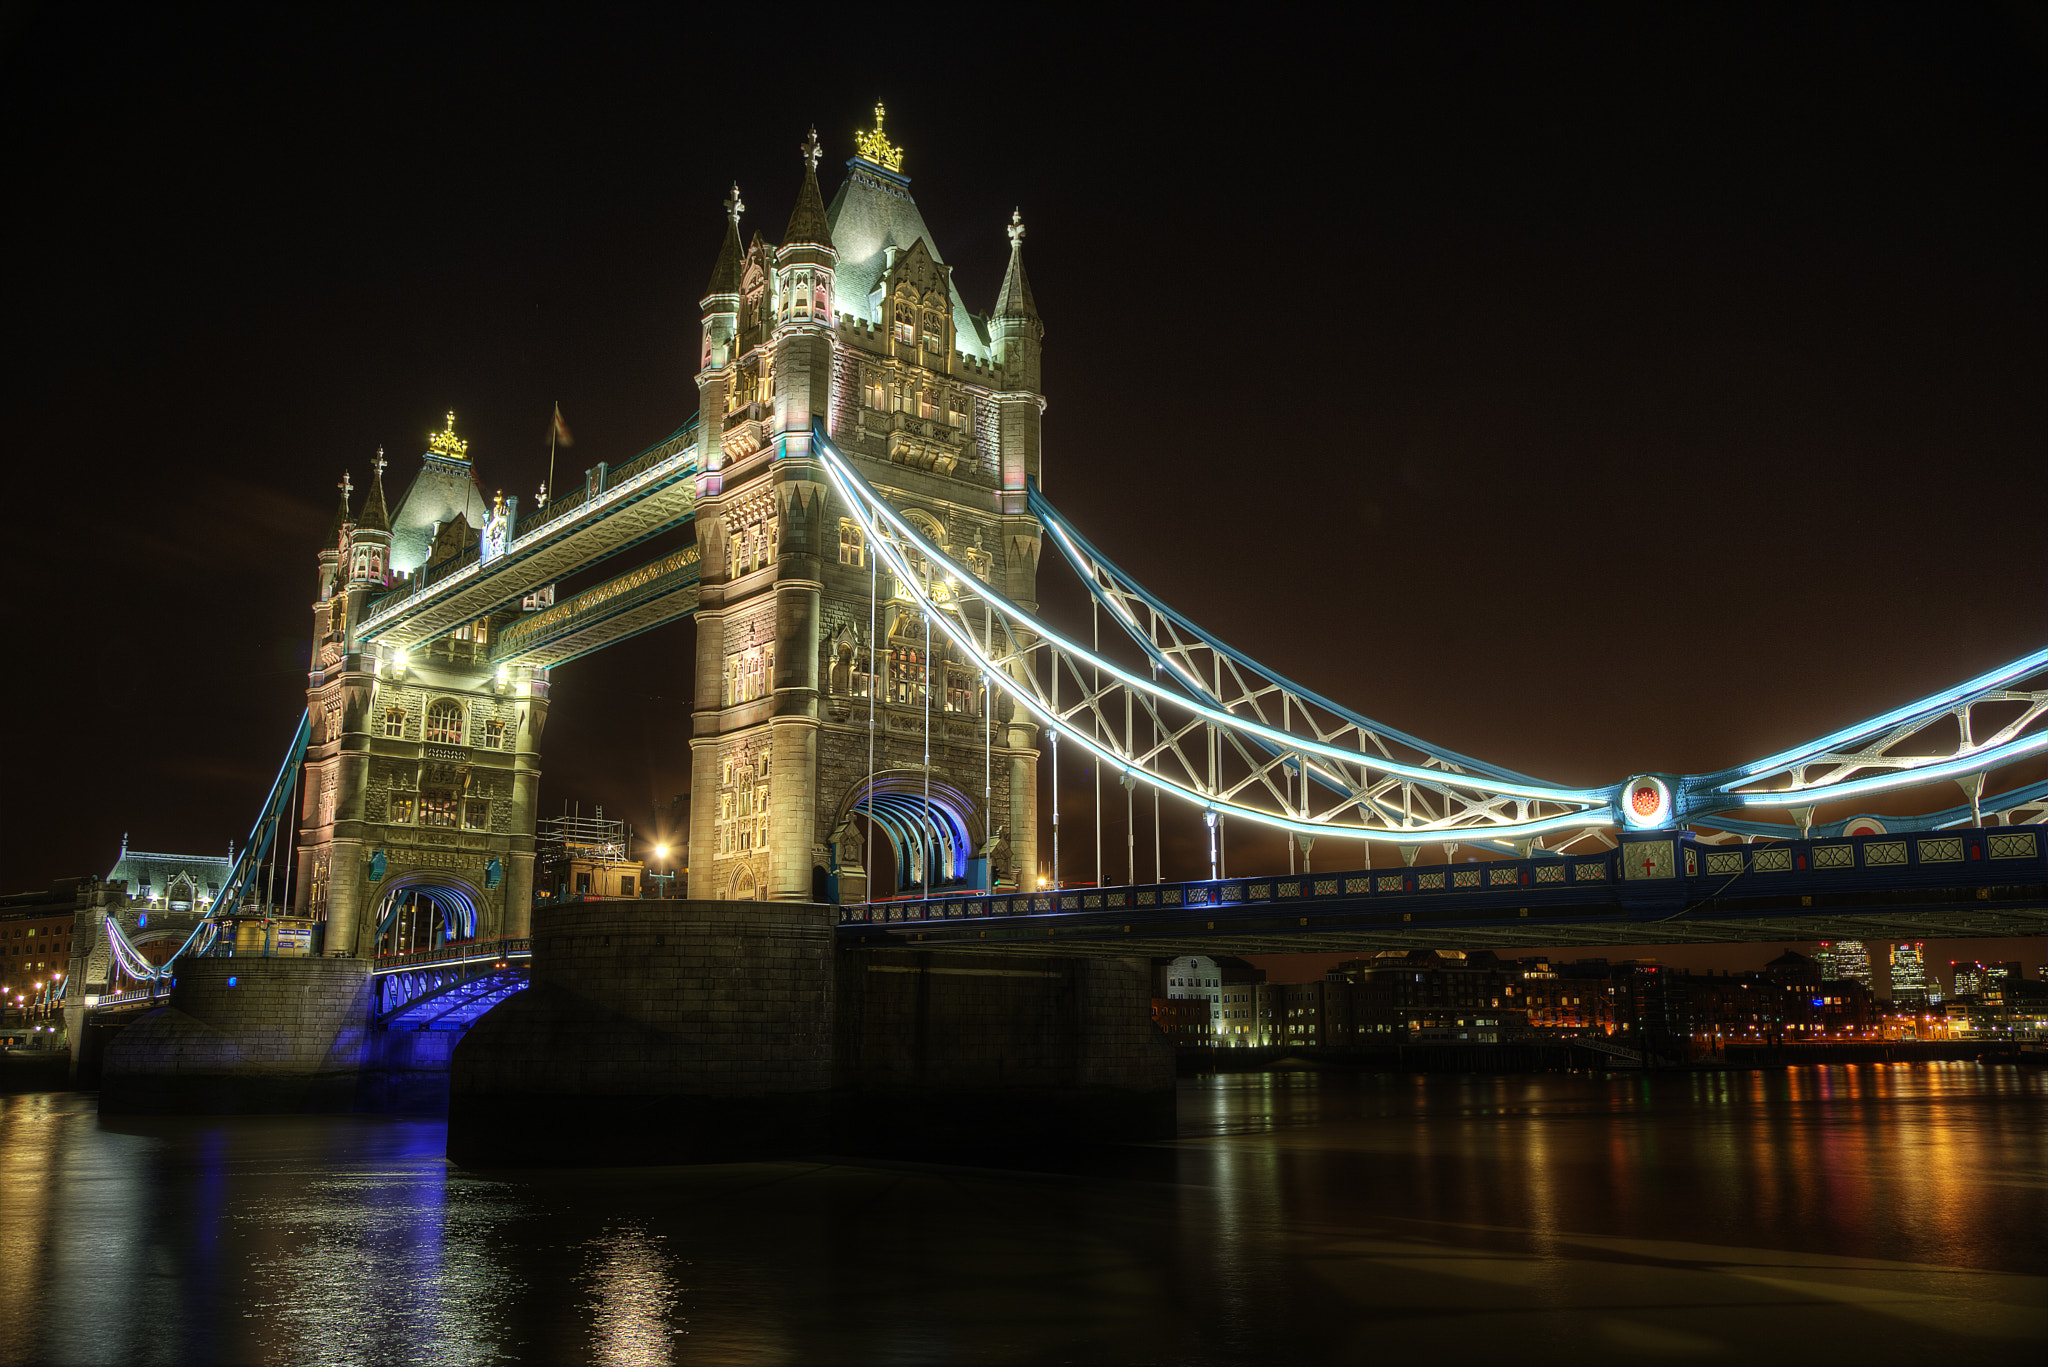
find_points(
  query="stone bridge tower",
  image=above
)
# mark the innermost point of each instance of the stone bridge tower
(854, 318)
(421, 772)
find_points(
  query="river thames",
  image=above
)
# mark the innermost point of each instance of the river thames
(1857, 1214)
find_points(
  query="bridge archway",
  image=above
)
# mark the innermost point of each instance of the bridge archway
(427, 910)
(914, 838)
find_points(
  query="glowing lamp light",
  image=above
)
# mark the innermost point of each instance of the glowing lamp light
(661, 851)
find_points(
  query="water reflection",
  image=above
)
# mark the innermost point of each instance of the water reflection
(1881, 1213)
(634, 1295)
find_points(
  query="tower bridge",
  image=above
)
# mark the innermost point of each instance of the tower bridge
(856, 528)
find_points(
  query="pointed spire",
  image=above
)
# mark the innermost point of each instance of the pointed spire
(725, 275)
(374, 518)
(342, 516)
(807, 220)
(1015, 300)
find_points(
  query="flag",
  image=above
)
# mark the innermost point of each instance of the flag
(559, 433)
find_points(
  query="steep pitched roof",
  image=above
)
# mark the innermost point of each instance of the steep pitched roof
(342, 516)
(871, 212)
(725, 272)
(807, 225)
(1015, 301)
(375, 517)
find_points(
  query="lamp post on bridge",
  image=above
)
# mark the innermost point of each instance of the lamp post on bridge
(664, 877)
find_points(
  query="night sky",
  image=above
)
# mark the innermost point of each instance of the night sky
(1590, 390)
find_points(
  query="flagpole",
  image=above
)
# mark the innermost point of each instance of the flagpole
(553, 428)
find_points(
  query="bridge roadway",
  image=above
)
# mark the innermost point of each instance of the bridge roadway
(1656, 888)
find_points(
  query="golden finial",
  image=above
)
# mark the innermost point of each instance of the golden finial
(447, 444)
(876, 148)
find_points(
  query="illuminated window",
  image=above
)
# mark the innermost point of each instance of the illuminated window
(394, 721)
(444, 722)
(906, 323)
(494, 735)
(959, 693)
(852, 551)
(438, 807)
(402, 805)
(934, 332)
(906, 676)
(877, 395)
(476, 814)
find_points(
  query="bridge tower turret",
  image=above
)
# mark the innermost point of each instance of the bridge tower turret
(421, 768)
(825, 715)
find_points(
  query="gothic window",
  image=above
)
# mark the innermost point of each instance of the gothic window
(906, 677)
(438, 807)
(877, 395)
(906, 322)
(800, 292)
(927, 406)
(323, 812)
(476, 814)
(852, 551)
(959, 692)
(402, 808)
(934, 332)
(494, 735)
(819, 303)
(444, 722)
(748, 674)
(956, 411)
(394, 722)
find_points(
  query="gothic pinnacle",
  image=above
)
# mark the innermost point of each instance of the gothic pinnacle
(807, 225)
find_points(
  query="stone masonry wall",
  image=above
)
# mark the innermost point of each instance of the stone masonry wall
(245, 1035)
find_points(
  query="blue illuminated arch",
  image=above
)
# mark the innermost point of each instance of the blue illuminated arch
(935, 831)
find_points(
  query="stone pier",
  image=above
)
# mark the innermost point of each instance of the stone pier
(685, 1031)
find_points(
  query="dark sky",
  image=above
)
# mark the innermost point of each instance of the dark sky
(1591, 390)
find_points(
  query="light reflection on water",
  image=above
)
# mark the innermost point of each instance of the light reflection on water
(1876, 1213)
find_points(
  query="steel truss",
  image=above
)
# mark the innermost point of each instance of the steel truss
(1846, 766)
(1235, 738)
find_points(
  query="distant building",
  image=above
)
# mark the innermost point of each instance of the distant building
(1227, 984)
(1431, 995)
(585, 856)
(1845, 959)
(1909, 976)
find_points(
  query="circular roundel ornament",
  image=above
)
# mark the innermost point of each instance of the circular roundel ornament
(1648, 801)
(1864, 825)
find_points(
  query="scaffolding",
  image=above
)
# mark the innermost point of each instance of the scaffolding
(577, 856)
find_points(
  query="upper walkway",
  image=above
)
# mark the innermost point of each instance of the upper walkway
(653, 493)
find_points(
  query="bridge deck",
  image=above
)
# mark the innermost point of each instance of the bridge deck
(1990, 881)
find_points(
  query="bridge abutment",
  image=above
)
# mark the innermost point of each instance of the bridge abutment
(245, 1035)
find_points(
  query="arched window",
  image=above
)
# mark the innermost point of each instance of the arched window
(394, 722)
(934, 331)
(852, 551)
(906, 321)
(494, 735)
(444, 722)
